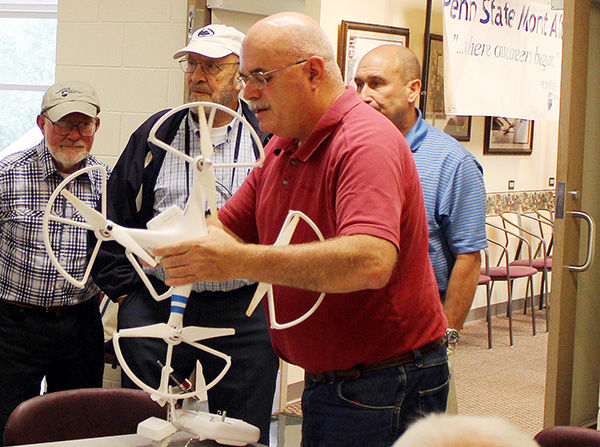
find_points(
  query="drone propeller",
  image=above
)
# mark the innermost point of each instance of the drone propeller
(205, 166)
(93, 217)
(85, 210)
(206, 146)
(159, 330)
(162, 392)
(100, 224)
(187, 334)
(196, 333)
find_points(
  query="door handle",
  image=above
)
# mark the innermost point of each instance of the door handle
(591, 241)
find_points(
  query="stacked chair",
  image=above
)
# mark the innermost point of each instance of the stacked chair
(509, 244)
(485, 280)
(526, 224)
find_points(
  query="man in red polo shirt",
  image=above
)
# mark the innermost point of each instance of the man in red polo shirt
(374, 352)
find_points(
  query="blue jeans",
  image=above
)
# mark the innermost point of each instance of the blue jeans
(375, 409)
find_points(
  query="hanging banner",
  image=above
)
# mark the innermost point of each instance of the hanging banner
(502, 58)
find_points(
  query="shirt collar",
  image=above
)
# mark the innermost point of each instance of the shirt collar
(417, 132)
(46, 162)
(325, 126)
(49, 168)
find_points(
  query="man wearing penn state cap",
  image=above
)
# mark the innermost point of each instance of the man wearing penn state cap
(146, 181)
(48, 327)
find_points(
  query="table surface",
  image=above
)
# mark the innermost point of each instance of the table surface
(133, 440)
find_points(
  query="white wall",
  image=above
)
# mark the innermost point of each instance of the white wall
(124, 49)
(242, 22)
(529, 172)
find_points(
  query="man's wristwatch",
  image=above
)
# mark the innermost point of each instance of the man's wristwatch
(452, 335)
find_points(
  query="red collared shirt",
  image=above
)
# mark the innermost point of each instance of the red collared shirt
(355, 174)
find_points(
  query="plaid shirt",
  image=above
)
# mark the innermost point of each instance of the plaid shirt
(171, 188)
(27, 179)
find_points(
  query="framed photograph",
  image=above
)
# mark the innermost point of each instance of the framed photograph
(433, 101)
(508, 136)
(356, 39)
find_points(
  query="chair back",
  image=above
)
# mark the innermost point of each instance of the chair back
(79, 414)
(545, 213)
(564, 436)
(510, 244)
(538, 230)
(546, 227)
(511, 220)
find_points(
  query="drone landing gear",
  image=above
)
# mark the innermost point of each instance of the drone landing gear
(220, 428)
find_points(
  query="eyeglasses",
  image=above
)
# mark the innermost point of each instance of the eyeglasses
(259, 80)
(208, 67)
(63, 127)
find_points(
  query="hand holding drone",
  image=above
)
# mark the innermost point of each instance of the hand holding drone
(170, 227)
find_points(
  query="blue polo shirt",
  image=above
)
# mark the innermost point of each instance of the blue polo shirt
(454, 193)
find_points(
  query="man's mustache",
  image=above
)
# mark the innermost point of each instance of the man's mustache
(199, 88)
(258, 105)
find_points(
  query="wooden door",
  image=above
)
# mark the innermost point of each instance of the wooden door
(573, 371)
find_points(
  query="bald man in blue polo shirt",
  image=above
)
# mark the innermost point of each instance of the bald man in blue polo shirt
(388, 79)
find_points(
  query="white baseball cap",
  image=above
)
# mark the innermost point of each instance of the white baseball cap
(214, 41)
(70, 97)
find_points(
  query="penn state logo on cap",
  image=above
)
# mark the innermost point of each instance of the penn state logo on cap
(214, 41)
(206, 31)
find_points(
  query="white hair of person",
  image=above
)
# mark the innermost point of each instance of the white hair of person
(444, 430)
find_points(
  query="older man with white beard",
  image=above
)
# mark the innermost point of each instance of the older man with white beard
(48, 327)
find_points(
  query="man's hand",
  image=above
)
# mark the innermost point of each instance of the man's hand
(208, 258)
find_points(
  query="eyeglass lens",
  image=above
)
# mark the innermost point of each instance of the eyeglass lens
(259, 79)
(85, 128)
(208, 67)
(189, 66)
(256, 79)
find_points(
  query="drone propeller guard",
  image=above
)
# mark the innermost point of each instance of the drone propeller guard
(283, 238)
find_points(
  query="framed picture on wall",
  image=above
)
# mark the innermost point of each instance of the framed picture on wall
(356, 39)
(455, 125)
(508, 136)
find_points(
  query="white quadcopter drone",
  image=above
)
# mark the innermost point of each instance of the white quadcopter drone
(172, 226)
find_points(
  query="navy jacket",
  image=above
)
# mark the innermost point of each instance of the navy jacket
(132, 181)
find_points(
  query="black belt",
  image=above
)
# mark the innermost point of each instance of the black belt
(359, 370)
